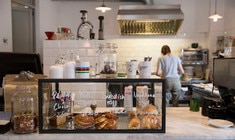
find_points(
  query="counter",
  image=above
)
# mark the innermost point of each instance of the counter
(181, 124)
(202, 91)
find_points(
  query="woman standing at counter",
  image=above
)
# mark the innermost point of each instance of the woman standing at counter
(170, 68)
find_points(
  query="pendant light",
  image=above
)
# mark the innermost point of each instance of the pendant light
(103, 7)
(215, 16)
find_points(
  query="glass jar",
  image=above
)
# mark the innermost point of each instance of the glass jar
(108, 60)
(24, 110)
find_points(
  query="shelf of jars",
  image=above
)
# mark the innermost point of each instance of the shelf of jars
(102, 105)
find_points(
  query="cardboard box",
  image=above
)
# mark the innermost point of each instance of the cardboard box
(12, 80)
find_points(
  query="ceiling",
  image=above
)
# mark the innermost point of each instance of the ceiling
(142, 1)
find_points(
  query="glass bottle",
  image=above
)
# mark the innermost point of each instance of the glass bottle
(24, 110)
(108, 60)
(69, 122)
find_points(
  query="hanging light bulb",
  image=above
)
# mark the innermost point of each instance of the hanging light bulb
(215, 16)
(103, 7)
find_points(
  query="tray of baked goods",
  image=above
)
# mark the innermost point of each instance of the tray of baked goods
(148, 118)
(105, 120)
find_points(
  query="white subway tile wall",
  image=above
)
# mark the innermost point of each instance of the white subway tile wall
(128, 49)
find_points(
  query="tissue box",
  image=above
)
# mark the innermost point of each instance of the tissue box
(5, 124)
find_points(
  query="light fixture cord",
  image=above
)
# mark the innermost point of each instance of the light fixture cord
(215, 6)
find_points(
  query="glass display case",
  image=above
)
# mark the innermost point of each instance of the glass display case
(97, 105)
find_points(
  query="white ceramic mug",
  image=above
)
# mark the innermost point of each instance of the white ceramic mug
(131, 67)
(144, 69)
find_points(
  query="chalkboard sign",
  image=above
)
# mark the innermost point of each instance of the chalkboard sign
(60, 103)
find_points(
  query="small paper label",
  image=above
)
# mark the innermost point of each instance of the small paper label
(4, 122)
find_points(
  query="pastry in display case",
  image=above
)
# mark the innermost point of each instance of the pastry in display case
(80, 106)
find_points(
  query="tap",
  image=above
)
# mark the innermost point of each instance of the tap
(86, 24)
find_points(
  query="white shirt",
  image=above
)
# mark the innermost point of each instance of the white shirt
(169, 66)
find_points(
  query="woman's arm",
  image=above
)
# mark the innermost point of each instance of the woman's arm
(181, 70)
(159, 71)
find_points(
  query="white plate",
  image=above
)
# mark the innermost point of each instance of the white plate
(220, 123)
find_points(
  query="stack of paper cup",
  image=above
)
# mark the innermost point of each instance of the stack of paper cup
(82, 70)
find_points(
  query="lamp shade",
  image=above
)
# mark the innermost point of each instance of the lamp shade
(215, 17)
(103, 8)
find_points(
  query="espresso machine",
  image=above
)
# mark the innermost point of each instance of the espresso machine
(224, 78)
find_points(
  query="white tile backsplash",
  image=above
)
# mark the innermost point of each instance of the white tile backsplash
(128, 49)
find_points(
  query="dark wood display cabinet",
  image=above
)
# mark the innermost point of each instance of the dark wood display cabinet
(101, 105)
